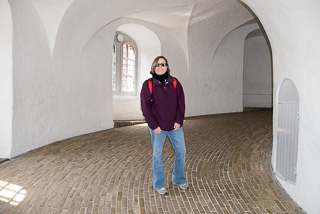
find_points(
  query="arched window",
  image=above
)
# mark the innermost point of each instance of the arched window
(124, 65)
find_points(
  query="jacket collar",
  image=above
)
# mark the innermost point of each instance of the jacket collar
(170, 79)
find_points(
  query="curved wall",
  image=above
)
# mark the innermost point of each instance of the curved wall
(6, 90)
(292, 28)
(32, 80)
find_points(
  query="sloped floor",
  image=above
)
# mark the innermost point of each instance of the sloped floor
(228, 169)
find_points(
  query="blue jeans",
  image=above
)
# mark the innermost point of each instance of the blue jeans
(178, 144)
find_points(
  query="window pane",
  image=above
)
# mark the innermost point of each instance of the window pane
(114, 68)
(128, 68)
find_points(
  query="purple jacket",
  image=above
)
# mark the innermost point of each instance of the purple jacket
(164, 106)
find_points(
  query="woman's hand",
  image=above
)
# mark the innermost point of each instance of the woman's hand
(176, 126)
(157, 130)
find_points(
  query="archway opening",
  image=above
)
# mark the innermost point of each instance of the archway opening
(126, 108)
(257, 71)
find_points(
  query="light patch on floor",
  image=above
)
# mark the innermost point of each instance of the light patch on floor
(11, 193)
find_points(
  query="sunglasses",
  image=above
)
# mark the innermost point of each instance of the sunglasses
(162, 64)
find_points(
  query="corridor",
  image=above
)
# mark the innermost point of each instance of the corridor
(228, 168)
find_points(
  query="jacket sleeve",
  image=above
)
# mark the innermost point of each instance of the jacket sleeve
(146, 102)
(181, 104)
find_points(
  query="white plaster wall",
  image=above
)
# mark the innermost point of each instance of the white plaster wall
(94, 95)
(127, 108)
(5, 79)
(293, 30)
(175, 19)
(51, 12)
(173, 50)
(208, 86)
(257, 86)
(227, 72)
(85, 17)
(32, 82)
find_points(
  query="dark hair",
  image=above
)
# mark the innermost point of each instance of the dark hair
(155, 61)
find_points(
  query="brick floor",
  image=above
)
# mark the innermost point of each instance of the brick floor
(228, 168)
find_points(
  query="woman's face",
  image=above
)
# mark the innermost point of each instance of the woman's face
(160, 70)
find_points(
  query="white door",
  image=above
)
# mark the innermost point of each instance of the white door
(287, 132)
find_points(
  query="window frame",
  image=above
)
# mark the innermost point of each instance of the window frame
(119, 63)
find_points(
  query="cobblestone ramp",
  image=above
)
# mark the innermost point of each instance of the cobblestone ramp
(228, 168)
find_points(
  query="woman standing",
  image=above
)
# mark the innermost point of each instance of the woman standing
(163, 106)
